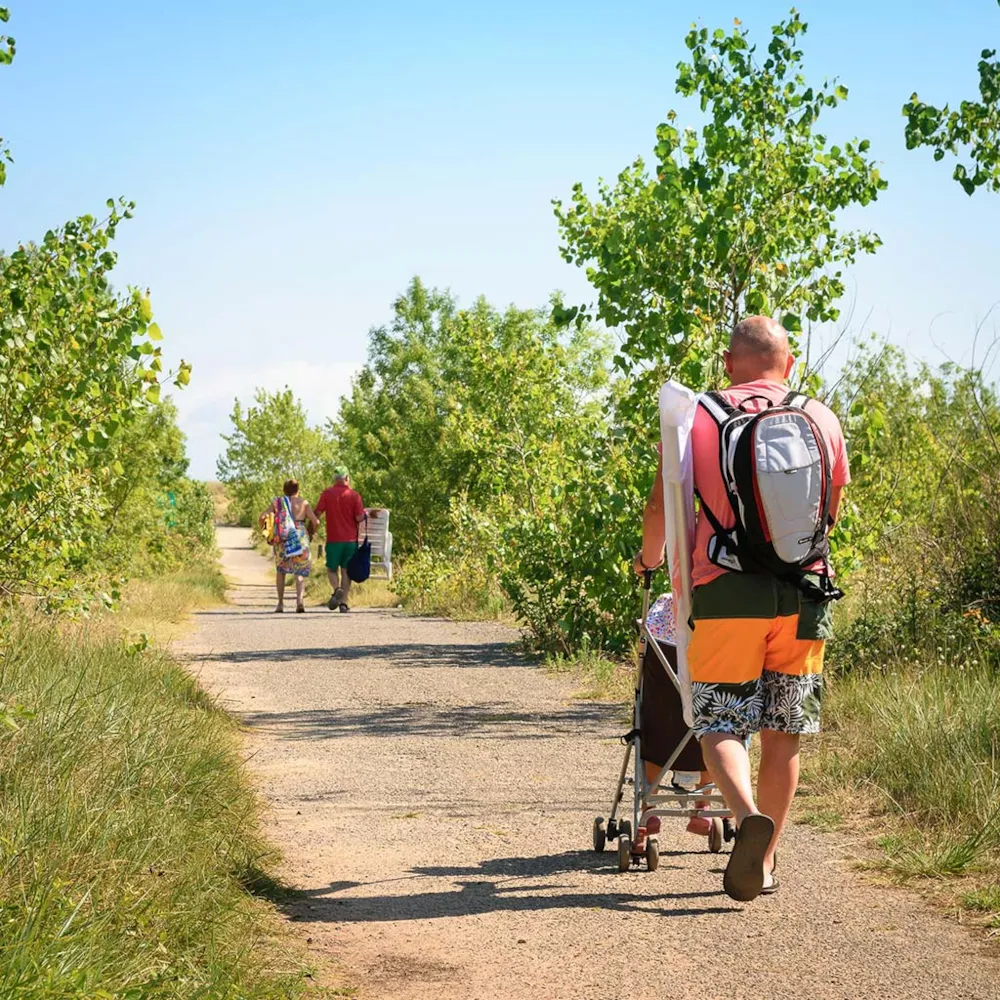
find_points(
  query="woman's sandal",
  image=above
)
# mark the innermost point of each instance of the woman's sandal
(744, 878)
(300, 609)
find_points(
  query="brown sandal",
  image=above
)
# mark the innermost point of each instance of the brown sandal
(744, 878)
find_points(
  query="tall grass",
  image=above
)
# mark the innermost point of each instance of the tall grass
(925, 739)
(128, 831)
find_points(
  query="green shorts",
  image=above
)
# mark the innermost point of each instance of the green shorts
(339, 554)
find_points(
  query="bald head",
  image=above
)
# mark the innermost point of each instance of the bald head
(758, 349)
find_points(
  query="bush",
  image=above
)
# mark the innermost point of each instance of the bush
(454, 584)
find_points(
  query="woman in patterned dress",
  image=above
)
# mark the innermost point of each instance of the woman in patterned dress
(299, 562)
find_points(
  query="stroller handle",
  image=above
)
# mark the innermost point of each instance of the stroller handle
(647, 579)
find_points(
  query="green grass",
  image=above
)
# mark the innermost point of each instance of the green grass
(985, 900)
(602, 678)
(129, 837)
(919, 746)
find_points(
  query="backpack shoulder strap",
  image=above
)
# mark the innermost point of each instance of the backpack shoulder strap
(796, 399)
(716, 406)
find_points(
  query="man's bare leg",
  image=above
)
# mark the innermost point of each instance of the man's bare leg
(776, 781)
(345, 584)
(279, 583)
(746, 875)
(728, 763)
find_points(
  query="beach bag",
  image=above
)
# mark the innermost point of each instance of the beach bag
(360, 566)
(286, 530)
(778, 478)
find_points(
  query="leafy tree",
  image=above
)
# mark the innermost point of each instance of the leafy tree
(79, 364)
(974, 128)
(474, 408)
(925, 447)
(161, 517)
(393, 429)
(740, 216)
(272, 441)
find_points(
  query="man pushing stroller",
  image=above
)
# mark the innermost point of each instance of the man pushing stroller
(769, 471)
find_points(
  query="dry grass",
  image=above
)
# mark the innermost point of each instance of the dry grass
(377, 593)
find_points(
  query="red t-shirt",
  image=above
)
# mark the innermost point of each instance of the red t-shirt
(708, 472)
(342, 507)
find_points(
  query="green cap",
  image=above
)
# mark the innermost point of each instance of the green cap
(340, 472)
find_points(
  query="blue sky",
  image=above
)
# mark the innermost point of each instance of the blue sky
(295, 164)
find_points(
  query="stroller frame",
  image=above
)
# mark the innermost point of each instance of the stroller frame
(656, 799)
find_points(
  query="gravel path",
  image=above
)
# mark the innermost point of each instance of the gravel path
(433, 796)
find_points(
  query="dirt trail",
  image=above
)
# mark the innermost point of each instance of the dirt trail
(433, 796)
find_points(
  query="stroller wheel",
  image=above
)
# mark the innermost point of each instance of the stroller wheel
(624, 853)
(625, 828)
(612, 833)
(716, 836)
(652, 854)
(728, 830)
(600, 834)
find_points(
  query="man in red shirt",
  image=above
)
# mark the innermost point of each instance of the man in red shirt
(756, 650)
(344, 512)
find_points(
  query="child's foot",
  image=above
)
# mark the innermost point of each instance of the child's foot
(700, 825)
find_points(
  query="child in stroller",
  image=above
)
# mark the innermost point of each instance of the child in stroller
(660, 744)
(660, 720)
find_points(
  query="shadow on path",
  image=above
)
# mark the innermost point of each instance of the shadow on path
(477, 895)
(493, 721)
(412, 654)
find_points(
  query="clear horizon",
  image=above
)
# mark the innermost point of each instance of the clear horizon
(293, 173)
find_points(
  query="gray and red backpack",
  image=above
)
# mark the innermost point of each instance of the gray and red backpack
(778, 477)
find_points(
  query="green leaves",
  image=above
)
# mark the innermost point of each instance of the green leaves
(78, 367)
(973, 131)
(740, 217)
(272, 441)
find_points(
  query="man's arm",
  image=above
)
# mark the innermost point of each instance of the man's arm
(836, 495)
(653, 527)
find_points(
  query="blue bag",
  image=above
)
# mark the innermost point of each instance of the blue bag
(288, 530)
(360, 566)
